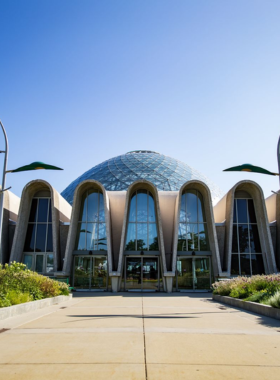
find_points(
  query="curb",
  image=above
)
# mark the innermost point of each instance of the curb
(254, 307)
(12, 311)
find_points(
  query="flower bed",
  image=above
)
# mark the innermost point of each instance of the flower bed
(19, 285)
(264, 289)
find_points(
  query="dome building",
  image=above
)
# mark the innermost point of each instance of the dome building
(143, 221)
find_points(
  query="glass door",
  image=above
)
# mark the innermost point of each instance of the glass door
(193, 273)
(142, 273)
(90, 273)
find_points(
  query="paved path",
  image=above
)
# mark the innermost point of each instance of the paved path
(141, 337)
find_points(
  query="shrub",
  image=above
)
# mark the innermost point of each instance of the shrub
(274, 300)
(18, 284)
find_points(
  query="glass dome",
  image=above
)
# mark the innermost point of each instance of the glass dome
(118, 173)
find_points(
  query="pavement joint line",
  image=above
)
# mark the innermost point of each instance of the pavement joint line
(145, 358)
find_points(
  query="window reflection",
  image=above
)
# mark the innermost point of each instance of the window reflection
(192, 234)
(142, 229)
(91, 234)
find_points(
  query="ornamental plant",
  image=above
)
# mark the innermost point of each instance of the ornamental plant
(18, 285)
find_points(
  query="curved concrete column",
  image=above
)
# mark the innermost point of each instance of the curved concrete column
(60, 211)
(70, 246)
(140, 185)
(256, 193)
(212, 235)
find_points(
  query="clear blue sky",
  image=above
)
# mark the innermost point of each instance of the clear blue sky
(83, 81)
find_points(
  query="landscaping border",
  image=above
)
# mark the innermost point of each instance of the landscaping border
(254, 307)
(12, 311)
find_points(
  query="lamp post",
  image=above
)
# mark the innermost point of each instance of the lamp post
(33, 166)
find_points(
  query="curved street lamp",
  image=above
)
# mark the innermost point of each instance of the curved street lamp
(34, 166)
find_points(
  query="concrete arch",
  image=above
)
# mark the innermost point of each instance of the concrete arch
(60, 211)
(256, 193)
(143, 185)
(212, 235)
(80, 190)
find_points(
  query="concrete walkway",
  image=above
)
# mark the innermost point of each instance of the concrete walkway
(140, 336)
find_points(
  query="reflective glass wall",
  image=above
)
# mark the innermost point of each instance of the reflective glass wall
(246, 258)
(38, 247)
(91, 234)
(141, 232)
(192, 234)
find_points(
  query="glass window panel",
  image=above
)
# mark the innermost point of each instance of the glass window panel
(245, 265)
(242, 210)
(50, 239)
(49, 263)
(39, 263)
(33, 211)
(192, 236)
(83, 209)
(251, 211)
(50, 211)
(201, 213)
(234, 212)
(254, 239)
(142, 206)
(191, 206)
(132, 209)
(183, 215)
(27, 260)
(243, 233)
(153, 238)
(182, 242)
(151, 209)
(234, 240)
(142, 237)
(102, 239)
(92, 207)
(203, 237)
(131, 237)
(43, 210)
(41, 238)
(81, 237)
(92, 236)
(257, 264)
(29, 245)
(101, 208)
(235, 265)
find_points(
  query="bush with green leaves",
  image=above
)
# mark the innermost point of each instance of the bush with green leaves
(258, 288)
(18, 285)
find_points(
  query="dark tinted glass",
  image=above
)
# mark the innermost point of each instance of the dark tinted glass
(153, 238)
(50, 211)
(201, 214)
(243, 238)
(234, 212)
(191, 206)
(83, 209)
(203, 237)
(251, 211)
(151, 209)
(50, 239)
(234, 240)
(257, 264)
(33, 211)
(30, 238)
(39, 263)
(254, 239)
(245, 265)
(234, 265)
(28, 261)
(43, 210)
(41, 238)
(242, 210)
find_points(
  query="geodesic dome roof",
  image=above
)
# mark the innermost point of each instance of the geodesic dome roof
(118, 173)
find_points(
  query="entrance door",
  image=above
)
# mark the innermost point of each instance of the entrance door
(90, 272)
(142, 273)
(193, 273)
